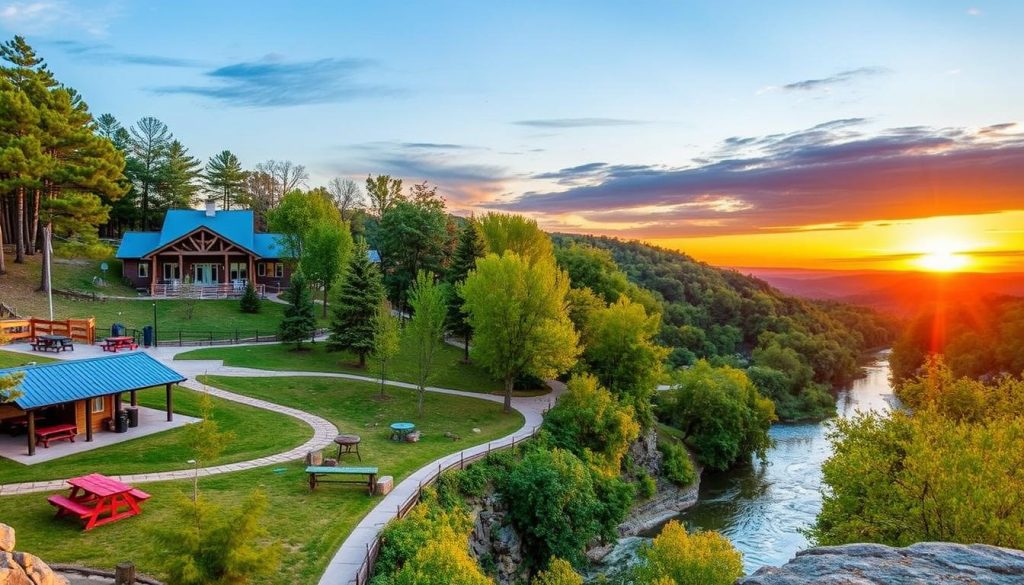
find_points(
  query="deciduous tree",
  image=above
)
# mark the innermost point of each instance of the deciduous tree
(326, 248)
(346, 195)
(426, 328)
(470, 247)
(383, 192)
(387, 339)
(680, 558)
(514, 233)
(411, 238)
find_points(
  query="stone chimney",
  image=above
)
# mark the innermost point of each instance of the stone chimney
(211, 208)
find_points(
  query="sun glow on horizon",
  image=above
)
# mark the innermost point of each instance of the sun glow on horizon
(943, 256)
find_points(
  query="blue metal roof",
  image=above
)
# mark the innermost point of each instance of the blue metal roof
(237, 226)
(65, 381)
(374, 256)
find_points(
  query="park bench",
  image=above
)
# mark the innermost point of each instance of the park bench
(316, 472)
(66, 505)
(55, 433)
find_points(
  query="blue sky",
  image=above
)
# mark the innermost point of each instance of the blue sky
(504, 104)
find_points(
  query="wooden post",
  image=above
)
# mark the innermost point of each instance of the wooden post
(117, 405)
(88, 420)
(227, 270)
(31, 432)
(181, 267)
(152, 277)
(135, 398)
(170, 411)
(124, 574)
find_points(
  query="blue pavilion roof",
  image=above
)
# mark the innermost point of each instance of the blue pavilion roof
(66, 381)
(236, 226)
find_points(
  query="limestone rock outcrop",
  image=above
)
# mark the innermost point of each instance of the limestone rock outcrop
(931, 563)
(21, 568)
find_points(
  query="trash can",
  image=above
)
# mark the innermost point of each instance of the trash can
(147, 335)
(122, 422)
(133, 417)
(116, 330)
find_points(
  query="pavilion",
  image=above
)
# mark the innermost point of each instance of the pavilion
(85, 393)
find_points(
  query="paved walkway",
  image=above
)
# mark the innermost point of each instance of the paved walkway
(343, 567)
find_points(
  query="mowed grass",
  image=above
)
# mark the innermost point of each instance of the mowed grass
(449, 370)
(311, 525)
(13, 359)
(167, 450)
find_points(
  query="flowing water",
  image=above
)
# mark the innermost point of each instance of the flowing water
(762, 508)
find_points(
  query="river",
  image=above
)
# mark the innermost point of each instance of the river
(763, 507)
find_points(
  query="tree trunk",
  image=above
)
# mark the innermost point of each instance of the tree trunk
(145, 207)
(34, 231)
(419, 405)
(509, 382)
(362, 360)
(382, 373)
(325, 300)
(3, 260)
(44, 284)
(19, 227)
(465, 347)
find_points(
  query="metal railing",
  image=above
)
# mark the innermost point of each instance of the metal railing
(223, 290)
(365, 570)
(206, 337)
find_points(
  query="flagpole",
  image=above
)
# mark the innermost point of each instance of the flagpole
(49, 270)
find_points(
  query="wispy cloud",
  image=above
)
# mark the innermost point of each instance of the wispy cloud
(98, 53)
(578, 122)
(50, 16)
(833, 174)
(842, 77)
(275, 82)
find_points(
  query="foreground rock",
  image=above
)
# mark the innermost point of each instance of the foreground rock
(923, 563)
(20, 568)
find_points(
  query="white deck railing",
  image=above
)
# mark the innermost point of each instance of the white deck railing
(223, 290)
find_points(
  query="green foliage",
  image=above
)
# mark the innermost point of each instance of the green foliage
(676, 464)
(297, 214)
(387, 339)
(444, 560)
(504, 232)
(225, 178)
(204, 439)
(412, 237)
(780, 374)
(401, 540)
(426, 328)
(328, 245)
(646, 485)
(591, 423)
(619, 349)
(593, 268)
(678, 558)
(720, 412)
(469, 247)
(553, 505)
(559, 572)
(250, 301)
(359, 294)
(178, 178)
(9, 391)
(975, 339)
(299, 323)
(212, 545)
(384, 193)
(518, 314)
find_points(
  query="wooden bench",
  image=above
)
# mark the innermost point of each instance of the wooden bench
(66, 505)
(56, 433)
(316, 471)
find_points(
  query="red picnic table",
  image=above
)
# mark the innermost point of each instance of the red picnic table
(112, 344)
(99, 500)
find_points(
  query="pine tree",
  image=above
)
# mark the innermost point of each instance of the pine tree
(149, 141)
(225, 178)
(358, 295)
(299, 323)
(250, 302)
(179, 178)
(470, 246)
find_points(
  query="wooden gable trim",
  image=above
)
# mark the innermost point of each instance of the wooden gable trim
(201, 241)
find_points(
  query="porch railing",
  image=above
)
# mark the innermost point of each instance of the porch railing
(222, 290)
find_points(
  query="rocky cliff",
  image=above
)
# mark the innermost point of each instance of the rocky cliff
(925, 563)
(21, 568)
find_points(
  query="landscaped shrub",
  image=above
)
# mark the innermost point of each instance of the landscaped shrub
(646, 486)
(676, 464)
(402, 539)
(444, 560)
(250, 302)
(703, 558)
(559, 573)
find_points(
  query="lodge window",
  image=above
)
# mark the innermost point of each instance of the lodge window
(97, 404)
(172, 271)
(279, 270)
(239, 271)
(261, 269)
(143, 270)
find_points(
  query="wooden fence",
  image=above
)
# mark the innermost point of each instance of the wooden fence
(78, 329)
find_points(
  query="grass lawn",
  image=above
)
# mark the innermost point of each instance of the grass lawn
(449, 370)
(166, 451)
(11, 359)
(311, 525)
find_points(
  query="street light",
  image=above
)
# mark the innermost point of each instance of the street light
(155, 344)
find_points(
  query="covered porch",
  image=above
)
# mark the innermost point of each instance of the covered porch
(63, 402)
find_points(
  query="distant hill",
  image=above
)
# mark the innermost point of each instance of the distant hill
(903, 293)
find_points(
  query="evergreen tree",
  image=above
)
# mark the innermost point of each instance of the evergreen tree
(250, 302)
(150, 139)
(22, 162)
(470, 246)
(299, 322)
(179, 178)
(358, 295)
(225, 178)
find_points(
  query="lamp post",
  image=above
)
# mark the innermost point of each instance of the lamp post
(155, 344)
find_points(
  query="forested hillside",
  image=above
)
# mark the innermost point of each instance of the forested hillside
(793, 349)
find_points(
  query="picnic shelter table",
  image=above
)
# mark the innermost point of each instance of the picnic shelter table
(57, 343)
(114, 343)
(98, 500)
(400, 429)
(61, 432)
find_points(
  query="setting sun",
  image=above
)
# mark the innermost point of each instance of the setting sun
(943, 256)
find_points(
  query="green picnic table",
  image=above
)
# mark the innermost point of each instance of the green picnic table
(317, 471)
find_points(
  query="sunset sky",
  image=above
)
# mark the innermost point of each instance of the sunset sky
(879, 135)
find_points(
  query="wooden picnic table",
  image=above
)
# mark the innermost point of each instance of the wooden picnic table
(63, 432)
(316, 471)
(57, 343)
(114, 343)
(98, 500)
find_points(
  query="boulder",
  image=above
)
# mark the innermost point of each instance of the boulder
(20, 568)
(6, 538)
(933, 563)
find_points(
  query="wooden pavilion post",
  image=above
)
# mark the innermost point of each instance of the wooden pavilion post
(31, 433)
(152, 277)
(170, 411)
(88, 420)
(117, 405)
(181, 267)
(227, 270)
(251, 276)
(135, 398)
